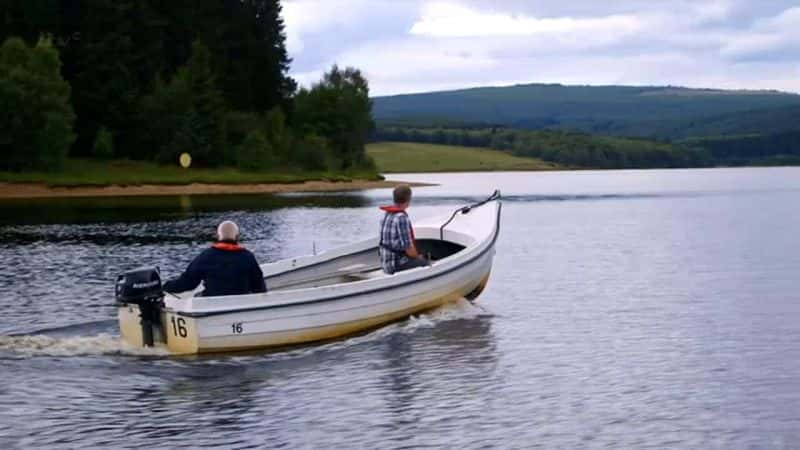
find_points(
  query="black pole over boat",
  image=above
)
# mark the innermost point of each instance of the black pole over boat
(466, 209)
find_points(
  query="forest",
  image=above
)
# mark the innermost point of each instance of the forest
(149, 80)
(571, 149)
(776, 149)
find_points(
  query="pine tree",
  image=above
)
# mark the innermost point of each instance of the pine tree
(188, 114)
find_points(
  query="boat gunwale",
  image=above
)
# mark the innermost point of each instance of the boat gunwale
(316, 262)
(490, 246)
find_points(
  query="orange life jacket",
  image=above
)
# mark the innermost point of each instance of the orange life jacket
(228, 246)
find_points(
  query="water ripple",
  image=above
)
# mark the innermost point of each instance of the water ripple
(630, 309)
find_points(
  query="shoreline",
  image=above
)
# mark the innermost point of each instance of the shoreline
(29, 190)
(41, 190)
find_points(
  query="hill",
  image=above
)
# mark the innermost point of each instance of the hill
(769, 121)
(777, 149)
(650, 111)
(413, 157)
(563, 148)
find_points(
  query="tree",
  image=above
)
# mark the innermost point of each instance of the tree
(339, 109)
(29, 19)
(311, 153)
(250, 46)
(189, 114)
(114, 51)
(35, 113)
(247, 42)
(278, 134)
(255, 153)
(111, 61)
(103, 144)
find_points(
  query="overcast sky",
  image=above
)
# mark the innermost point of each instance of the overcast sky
(421, 45)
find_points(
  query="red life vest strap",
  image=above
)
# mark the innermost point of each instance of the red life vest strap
(228, 247)
(392, 209)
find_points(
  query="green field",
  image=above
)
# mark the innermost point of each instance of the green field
(414, 157)
(87, 172)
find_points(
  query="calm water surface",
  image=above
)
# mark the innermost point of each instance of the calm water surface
(636, 309)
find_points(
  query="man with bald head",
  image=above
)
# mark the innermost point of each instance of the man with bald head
(226, 268)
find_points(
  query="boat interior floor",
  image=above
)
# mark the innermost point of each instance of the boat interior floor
(352, 268)
(365, 275)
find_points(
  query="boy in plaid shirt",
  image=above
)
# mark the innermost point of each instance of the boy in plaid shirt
(397, 247)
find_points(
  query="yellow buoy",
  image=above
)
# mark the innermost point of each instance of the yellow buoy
(185, 160)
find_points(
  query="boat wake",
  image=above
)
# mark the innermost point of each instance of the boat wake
(47, 345)
(459, 310)
(62, 342)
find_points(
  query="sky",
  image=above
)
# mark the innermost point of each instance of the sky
(406, 46)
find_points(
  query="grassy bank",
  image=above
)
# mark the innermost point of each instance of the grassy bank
(415, 157)
(86, 172)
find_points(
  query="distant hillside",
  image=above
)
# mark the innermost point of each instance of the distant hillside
(756, 149)
(657, 112)
(569, 149)
(393, 157)
(758, 121)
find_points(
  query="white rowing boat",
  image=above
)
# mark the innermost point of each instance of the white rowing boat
(317, 297)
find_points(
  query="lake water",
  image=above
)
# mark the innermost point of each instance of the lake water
(634, 309)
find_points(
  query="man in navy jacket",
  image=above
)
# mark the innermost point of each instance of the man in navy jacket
(226, 268)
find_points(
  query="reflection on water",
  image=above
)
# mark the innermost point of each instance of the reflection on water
(141, 209)
(625, 310)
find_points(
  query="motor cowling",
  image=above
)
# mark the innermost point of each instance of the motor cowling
(139, 286)
(142, 287)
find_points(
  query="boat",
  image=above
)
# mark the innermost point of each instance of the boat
(319, 297)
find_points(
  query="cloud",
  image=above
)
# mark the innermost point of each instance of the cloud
(420, 45)
(343, 22)
(304, 16)
(454, 20)
(774, 37)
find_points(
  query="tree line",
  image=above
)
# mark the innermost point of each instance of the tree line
(755, 149)
(563, 147)
(149, 80)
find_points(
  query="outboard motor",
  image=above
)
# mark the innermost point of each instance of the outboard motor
(142, 287)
